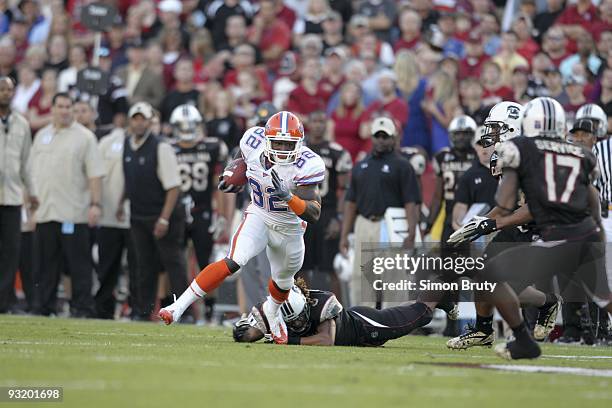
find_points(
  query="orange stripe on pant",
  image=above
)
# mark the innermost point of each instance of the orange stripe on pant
(233, 248)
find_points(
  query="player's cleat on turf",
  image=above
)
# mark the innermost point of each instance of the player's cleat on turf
(169, 315)
(278, 328)
(546, 320)
(472, 337)
(515, 351)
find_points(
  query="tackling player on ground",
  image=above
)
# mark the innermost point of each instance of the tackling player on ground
(284, 176)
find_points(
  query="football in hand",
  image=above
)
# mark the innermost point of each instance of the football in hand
(235, 173)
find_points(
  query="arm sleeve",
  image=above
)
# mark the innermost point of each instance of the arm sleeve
(508, 155)
(463, 193)
(411, 193)
(167, 167)
(352, 191)
(94, 165)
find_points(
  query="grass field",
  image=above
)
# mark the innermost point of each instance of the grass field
(112, 364)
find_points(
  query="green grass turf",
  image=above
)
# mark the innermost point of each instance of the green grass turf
(114, 364)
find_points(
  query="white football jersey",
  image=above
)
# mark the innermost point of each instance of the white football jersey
(307, 170)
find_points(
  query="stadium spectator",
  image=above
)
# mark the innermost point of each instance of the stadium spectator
(333, 75)
(605, 19)
(142, 82)
(411, 87)
(310, 95)
(66, 170)
(585, 55)
(39, 23)
(184, 90)
(235, 33)
(15, 185)
(270, 35)
(540, 64)
(410, 30)
(369, 196)
(380, 14)
(546, 19)
(152, 184)
(488, 29)
(508, 58)
(218, 14)
(77, 60)
(440, 104)
(520, 85)
(332, 35)
(243, 60)
(18, 32)
(554, 44)
(574, 87)
(39, 108)
(577, 17)
(116, 44)
(470, 94)
(27, 85)
(35, 57)
(425, 10)
(311, 46)
(368, 42)
(346, 119)
(7, 58)
(448, 41)
(223, 123)
(554, 85)
(494, 89)
(471, 64)
(527, 47)
(286, 13)
(57, 49)
(85, 115)
(389, 104)
(311, 23)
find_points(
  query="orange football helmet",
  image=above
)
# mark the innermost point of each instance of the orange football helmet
(283, 127)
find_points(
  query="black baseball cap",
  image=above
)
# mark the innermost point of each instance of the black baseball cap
(585, 125)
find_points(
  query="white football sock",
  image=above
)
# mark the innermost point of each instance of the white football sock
(193, 293)
(273, 305)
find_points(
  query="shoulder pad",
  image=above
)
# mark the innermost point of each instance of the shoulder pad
(311, 168)
(331, 309)
(508, 155)
(253, 139)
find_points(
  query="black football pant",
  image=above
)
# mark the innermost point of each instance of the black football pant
(155, 255)
(201, 238)
(26, 267)
(10, 235)
(380, 326)
(111, 244)
(56, 249)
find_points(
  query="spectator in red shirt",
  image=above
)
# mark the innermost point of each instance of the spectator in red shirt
(577, 17)
(18, 31)
(243, 60)
(39, 108)
(309, 95)
(284, 13)
(410, 29)
(346, 120)
(333, 76)
(554, 45)
(389, 102)
(494, 89)
(311, 46)
(269, 34)
(471, 64)
(605, 19)
(527, 47)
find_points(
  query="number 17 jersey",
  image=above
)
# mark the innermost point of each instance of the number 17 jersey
(554, 175)
(309, 169)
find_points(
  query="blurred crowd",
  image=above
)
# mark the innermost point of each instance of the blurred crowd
(419, 62)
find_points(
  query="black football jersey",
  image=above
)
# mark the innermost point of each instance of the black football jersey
(554, 175)
(337, 161)
(451, 164)
(197, 166)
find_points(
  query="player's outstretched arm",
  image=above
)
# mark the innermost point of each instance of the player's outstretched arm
(305, 203)
(326, 335)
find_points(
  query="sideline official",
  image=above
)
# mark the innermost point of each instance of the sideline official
(15, 182)
(66, 172)
(383, 179)
(152, 184)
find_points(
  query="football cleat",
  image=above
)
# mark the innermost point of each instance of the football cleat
(513, 351)
(278, 328)
(472, 337)
(546, 320)
(169, 315)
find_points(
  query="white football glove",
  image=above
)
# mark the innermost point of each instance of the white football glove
(473, 229)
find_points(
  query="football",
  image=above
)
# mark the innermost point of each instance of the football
(235, 173)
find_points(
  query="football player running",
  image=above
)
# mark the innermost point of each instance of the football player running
(316, 318)
(503, 123)
(557, 180)
(284, 176)
(200, 160)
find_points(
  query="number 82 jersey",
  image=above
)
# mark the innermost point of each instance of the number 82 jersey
(308, 169)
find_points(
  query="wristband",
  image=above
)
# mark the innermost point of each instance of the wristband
(294, 340)
(163, 221)
(297, 205)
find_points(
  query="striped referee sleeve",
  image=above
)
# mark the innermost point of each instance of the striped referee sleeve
(603, 152)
